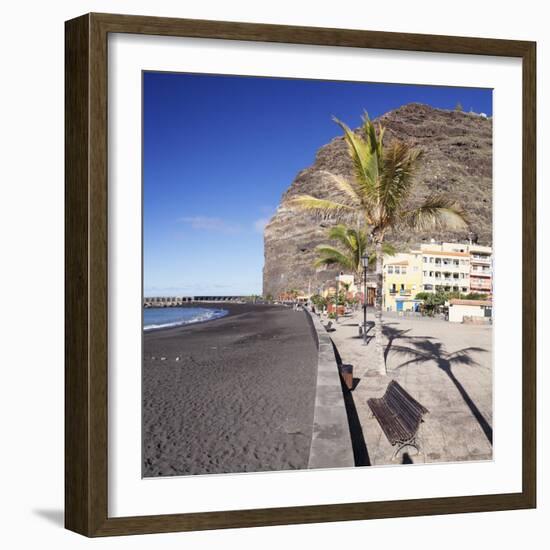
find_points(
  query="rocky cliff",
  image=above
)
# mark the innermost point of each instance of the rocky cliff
(457, 161)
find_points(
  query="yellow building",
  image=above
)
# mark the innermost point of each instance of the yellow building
(402, 281)
(452, 267)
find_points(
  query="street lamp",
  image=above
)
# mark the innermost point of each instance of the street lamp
(336, 301)
(365, 262)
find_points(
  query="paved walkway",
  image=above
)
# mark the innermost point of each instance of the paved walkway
(445, 366)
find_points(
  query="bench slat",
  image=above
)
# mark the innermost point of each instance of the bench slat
(398, 413)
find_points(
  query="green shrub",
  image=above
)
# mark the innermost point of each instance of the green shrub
(319, 301)
(475, 296)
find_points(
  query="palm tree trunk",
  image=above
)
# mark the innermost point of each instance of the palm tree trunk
(380, 362)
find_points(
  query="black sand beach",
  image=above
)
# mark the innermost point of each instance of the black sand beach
(239, 398)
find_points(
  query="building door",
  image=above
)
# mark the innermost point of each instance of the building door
(399, 305)
(371, 295)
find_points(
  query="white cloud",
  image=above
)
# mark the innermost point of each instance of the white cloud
(206, 223)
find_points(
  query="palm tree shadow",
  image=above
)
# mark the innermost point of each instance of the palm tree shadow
(368, 337)
(428, 350)
(392, 334)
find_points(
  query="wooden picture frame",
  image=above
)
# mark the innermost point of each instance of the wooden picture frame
(86, 414)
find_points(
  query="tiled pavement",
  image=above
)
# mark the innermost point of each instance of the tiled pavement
(446, 367)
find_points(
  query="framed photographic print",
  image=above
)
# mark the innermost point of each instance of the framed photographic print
(300, 280)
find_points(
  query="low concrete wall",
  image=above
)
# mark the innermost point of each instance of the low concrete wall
(331, 441)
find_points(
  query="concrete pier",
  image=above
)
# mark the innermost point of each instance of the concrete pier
(175, 301)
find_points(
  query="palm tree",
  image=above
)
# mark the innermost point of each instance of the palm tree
(352, 244)
(378, 197)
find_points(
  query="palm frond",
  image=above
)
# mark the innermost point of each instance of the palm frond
(358, 149)
(344, 235)
(437, 212)
(323, 206)
(329, 255)
(388, 249)
(375, 147)
(365, 162)
(396, 183)
(381, 131)
(344, 186)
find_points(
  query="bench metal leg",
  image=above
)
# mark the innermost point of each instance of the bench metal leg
(401, 446)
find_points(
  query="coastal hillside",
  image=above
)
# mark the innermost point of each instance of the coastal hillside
(457, 161)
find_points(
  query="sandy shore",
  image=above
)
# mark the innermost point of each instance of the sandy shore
(232, 395)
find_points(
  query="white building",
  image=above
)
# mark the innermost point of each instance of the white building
(461, 311)
(445, 266)
(458, 267)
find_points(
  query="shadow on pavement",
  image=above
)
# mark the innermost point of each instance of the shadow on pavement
(360, 451)
(427, 350)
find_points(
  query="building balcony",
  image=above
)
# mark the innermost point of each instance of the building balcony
(480, 282)
(447, 267)
(399, 292)
(444, 281)
(480, 286)
(484, 260)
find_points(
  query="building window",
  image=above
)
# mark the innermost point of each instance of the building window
(428, 287)
(431, 260)
(425, 273)
(390, 269)
(403, 270)
(397, 270)
(425, 259)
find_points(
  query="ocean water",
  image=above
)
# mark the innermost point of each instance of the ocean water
(154, 318)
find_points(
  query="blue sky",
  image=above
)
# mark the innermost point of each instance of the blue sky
(218, 153)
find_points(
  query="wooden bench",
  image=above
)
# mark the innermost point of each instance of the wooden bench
(399, 416)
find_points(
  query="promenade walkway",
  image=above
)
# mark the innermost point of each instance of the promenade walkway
(446, 367)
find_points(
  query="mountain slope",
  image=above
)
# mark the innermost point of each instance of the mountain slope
(457, 161)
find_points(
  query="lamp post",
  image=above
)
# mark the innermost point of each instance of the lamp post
(336, 301)
(365, 262)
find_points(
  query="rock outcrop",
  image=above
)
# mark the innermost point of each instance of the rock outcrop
(457, 161)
